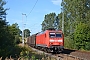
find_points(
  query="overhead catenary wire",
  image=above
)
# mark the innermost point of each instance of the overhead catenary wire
(33, 7)
(31, 10)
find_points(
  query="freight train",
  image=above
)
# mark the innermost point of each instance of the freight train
(49, 40)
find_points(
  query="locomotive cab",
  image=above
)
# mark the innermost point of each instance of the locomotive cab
(56, 41)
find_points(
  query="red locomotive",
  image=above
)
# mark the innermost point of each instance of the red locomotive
(50, 40)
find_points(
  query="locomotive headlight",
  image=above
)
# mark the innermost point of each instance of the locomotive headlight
(51, 40)
(60, 41)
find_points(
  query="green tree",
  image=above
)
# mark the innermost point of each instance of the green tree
(14, 28)
(26, 33)
(15, 31)
(2, 10)
(82, 36)
(75, 12)
(48, 21)
(7, 39)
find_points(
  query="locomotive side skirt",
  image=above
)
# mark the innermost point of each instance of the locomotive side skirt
(41, 45)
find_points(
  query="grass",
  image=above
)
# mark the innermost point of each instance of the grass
(28, 53)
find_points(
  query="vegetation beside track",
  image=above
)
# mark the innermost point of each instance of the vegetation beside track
(28, 53)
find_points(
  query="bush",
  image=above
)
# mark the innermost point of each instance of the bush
(82, 36)
(68, 43)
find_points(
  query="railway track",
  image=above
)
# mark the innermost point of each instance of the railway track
(67, 55)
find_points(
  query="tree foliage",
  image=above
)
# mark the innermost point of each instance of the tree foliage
(6, 39)
(77, 21)
(7, 35)
(48, 22)
(26, 33)
(82, 36)
(2, 10)
(15, 31)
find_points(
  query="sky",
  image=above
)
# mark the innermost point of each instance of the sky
(35, 11)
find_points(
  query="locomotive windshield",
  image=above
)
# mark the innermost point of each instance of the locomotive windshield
(53, 34)
(58, 35)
